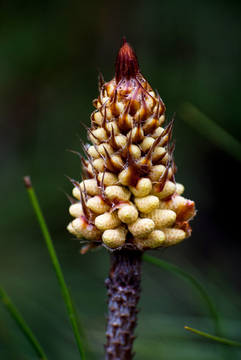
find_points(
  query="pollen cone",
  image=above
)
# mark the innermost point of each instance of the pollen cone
(129, 197)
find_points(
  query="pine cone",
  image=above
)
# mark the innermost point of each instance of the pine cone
(128, 197)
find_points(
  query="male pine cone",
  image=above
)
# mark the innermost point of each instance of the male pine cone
(128, 197)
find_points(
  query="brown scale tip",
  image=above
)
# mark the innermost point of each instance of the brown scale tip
(126, 65)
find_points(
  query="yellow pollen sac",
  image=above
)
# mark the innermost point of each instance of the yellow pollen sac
(157, 132)
(135, 151)
(97, 118)
(143, 187)
(173, 236)
(83, 229)
(105, 100)
(141, 227)
(115, 237)
(121, 140)
(125, 176)
(161, 218)
(76, 210)
(91, 187)
(128, 214)
(156, 172)
(71, 229)
(137, 134)
(146, 143)
(117, 193)
(108, 147)
(97, 205)
(107, 221)
(98, 136)
(92, 151)
(158, 152)
(76, 192)
(109, 178)
(179, 189)
(117, 161)
(161, 119)
(154, 240)
(99, 164)
(147, 203)
(168, 190)
(109, 114)
(112, 125)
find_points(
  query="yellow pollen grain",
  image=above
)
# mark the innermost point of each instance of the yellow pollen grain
(173, 236)
(143, 187)
(76, 192)
(92, 151)
(97, 205)
(135, 133)
(179, 189)
(116, 192)
(117, 161)
(83, 229)
(71, 229)
(125, 176)
(135, 151)
(112, 125)
(121, 140)
(161, 218)
(109, 178)
(147, 203)
(161, 119)
(76, 210)
(101, 148)
(141, 227)
(99, 135)
(154, 240)
(156, 172)
(99, 164)
(169, 189)
(105, 99)
(157, 152)
(146, 143)
(98, 118)
(109, 114)
(91, 187)
(128, 214)
(114, 238)
(121, 106)
(107, 221)
(157, 132)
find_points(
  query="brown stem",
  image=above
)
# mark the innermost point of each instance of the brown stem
(123, 290)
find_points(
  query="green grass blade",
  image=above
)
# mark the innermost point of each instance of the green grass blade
(56, 265)
(17, 317)
(214, 338)
(195, 284)
(210, 130)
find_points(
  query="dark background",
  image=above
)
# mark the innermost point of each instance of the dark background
(50, 52)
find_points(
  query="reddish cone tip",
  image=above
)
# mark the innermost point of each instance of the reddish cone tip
(126, 63)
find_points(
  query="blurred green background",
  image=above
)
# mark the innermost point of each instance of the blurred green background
(50, 52)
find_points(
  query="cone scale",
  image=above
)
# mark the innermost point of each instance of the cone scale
(128, 201)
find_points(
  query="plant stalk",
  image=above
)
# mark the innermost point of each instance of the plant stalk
(123, 290)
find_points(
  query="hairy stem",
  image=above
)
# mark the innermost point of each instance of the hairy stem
(123, 290)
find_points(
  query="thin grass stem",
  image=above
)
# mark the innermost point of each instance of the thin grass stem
(17, 317)
(195, 284)
(56, 265)
(214, 338)
(209, 129)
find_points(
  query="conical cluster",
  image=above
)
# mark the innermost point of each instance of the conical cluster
(128, 196)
